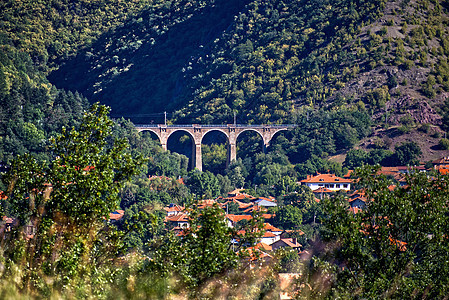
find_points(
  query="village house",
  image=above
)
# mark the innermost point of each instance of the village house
(444, 161)
(269, 238)
(178, 221)
(328, 181)
(116, 215)
(322, 193)
(287, 242)
(265, 202)
(232, 220)
(173, 209)
(357, 200)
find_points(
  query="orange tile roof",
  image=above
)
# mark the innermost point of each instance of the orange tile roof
(348, 174)
(388, 171)
(322, 190)
(269, 227)
(355, 210)
(241, 205)
(325, 178)
(207, 202)
(391, 187)
(269, 234)
(254, 208)
(443, 171)
(174, 208)
(263, 246)
(177, 218)
(116, 215)
(361, 198)
(400, 244)
(242, 196)
(236, 191)
(255, 253)
(238, 218)
(290, 242)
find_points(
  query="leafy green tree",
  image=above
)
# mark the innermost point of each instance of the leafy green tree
(288, 217)
(203, 184)
(391, 248)
(67, 199)
(407, 153)
(355, 158)
(204, 251)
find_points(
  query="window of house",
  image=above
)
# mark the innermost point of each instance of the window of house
(337, 186)
(345, 186)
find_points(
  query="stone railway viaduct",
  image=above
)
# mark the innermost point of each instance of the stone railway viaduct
(197, 132)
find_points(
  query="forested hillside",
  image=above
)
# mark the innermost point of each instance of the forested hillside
(338, 63)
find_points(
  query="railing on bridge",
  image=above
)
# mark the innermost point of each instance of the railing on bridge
(216, 125)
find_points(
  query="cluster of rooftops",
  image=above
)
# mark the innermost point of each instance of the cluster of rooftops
(177, 219)
(322, 185)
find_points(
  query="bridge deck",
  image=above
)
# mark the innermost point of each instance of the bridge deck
(214, 126)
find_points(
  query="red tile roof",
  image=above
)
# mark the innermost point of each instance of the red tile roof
(290, 242)
(241, 205)
(262, 246)
(116, 215)
(325, 178)
(3, 196)
(177, 218)
(322, 190)
(269, 227)
(176, 207)
(238, 218)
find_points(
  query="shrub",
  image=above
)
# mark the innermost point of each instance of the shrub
(424, 128)
(444, 144)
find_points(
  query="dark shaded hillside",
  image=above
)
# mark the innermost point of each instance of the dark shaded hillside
(265, 61)
(142, 66)
(253, 57)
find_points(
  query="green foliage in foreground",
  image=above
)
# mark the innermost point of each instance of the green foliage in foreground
(397, 247)
(66, 202)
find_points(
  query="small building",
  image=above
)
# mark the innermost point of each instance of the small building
(265, 202)
(116, 215)
(232, 220)
(269, 238)
(288, 242)
(179, 220)
(322, 192)
(444, 161)
(328, 181)
(173, 209)
(358, 200)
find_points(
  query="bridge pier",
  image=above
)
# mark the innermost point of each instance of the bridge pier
(198, 159)
(232, 153)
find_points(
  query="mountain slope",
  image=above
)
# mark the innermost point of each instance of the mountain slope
(265, 61)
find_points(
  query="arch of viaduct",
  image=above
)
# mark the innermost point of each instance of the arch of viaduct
(197, 133)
